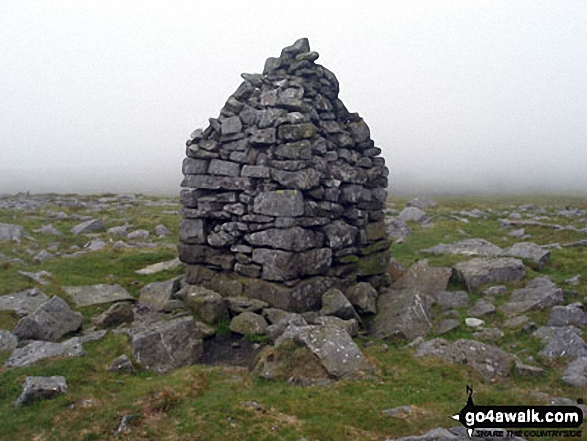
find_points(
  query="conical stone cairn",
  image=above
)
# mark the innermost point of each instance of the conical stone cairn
(284, 192)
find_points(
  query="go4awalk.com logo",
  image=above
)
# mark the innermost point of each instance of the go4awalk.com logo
(525, 421)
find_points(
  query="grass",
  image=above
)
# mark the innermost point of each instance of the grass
(214, 403)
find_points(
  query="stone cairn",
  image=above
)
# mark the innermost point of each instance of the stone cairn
(284, 192)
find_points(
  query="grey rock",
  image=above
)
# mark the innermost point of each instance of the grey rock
(488, 360)
(473, 322)
(223, 168)
(231, 125)
(479, 271)
(42, 256)
(95, 245)
(41, 277)
(10, 232)
(138, 234)
(424, 279)
(161, 266)
(404, 314)
(119, 230)
(481, 308)
(161, 231)
(122, 364)
(273, 315)
(160, 295)
(412, 214)
(238, 305)
(351, 326)
(396, 412)
(335, 303)
(576, 373)
(363, 297)
(206, 304)
(561, 341)
(87, 295)
(397, 228)
(339, 234)
(495, 290)
(248, 323)
(39, 350)
(567, 315)
(90, 226)
(50, 321)
(192, 231)
(335, 349)
(289, 239)
(22, 302)
(300, 180)
(8, 340)
(539, 293)
(279, 203)
(115, 315)
(517, 322)
(40, 388)
(49, 229)
(422, 203)
(573, 280)
(452, 299)
(167, 345)
(467, 247)
(530, 251)
(276, 329)
(489, 334)
(282, 265)
(523, 369)
(445, 326)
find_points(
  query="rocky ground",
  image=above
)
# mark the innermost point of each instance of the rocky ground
(95, 320)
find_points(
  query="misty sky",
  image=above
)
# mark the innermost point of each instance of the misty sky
(100, 96)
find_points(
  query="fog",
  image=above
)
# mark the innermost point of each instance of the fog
(462, 97)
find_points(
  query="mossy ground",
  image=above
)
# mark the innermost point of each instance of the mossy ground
(206, 403)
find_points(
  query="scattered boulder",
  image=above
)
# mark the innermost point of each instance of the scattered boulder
(481, 308)
(115, 315)
(479, 271)
(445, 326)
(397, 412)
(42, 256)
(561, 341)
(529, 251)
(412, 214)
(206, 304)
(567, 315)
(161, 295)
(488, 360)
(489, 334)
(90, 226)
(8, 340)
(403, 314)
(38, 388)
(335, 349)
(167, 345)
(49, 229)
(576, 373)
(50, 321)
(88, 295)
(38, 350)
(452, 299)
(276, 330)
(335, 303)
(473, 322)
(397, 228)
(161, 231)
(138, 234)
(122, 364)
(10, 232)
(41, 277)
(539, 293)
(495, 290)
(526, 370)
(467, 247)
(351, 326)
(23, 302)
(423, 279)
(248, 323)
(161, 266)
(273, 315)
(363, 297)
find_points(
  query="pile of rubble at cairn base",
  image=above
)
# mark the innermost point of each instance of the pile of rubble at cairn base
(284, 192)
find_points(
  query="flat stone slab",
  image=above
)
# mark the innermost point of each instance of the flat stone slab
(488, 360)
(467, 247)
(23, 302)
(38, 350)
(539, 293)
(403, 314)
(37, 388)
(10, 232)
(481, 271)
(87, 295)
(161, 266)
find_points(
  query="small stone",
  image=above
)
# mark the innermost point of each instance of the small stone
(37, 388)
(474, 322)
(122, 364)
(90, 226)
(248, 323)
